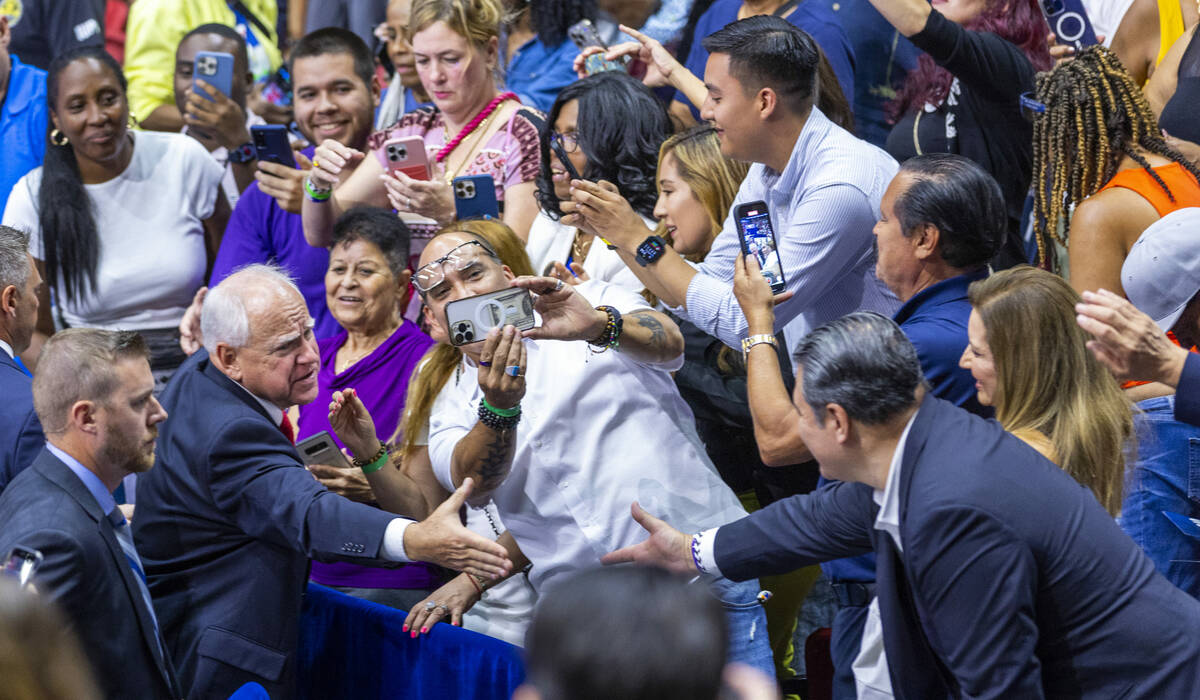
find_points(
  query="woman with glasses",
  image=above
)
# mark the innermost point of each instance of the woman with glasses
(471, 129)
(606, 126)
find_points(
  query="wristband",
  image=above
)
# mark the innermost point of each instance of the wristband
(478, 587)
(758, 339)
(375, 463)
(495, 421)
(504, 412)
(314, 194)
(610, 337)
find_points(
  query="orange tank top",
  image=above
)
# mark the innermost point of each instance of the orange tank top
(1182, 184)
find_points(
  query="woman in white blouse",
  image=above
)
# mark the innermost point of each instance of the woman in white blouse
(123, 225)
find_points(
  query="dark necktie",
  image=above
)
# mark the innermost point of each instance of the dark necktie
(286, 428)
(125, 538)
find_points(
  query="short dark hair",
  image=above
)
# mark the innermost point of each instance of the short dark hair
(862, 362)
(378, 226)
(79, 364)
(620, 128)
(768, 51)
(962, 200)
(678, 653)
(336, 40)
(226, 32)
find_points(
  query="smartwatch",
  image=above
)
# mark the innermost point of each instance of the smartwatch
(243, 153)
(651, 250)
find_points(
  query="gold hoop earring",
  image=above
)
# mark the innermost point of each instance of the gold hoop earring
(58, 138)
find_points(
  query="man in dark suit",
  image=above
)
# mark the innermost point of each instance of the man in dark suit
(20, 432)
(229, 517)
(998, 576)
(93, 395)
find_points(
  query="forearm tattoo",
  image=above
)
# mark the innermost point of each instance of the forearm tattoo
(493, 464)
(658, 333)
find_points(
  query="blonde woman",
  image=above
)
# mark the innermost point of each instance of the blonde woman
(1030, 361)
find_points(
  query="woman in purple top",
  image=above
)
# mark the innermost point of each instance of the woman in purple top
(366, 286)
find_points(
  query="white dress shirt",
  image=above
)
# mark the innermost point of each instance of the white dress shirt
(7, 349)
(597, 432)
(871, 674)
(823, 207)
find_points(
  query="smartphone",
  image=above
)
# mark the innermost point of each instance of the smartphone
(584, 34)
(758, 239)
(22, 563)
(1069, 21)
(321, 449)
(470, 319)
(561, 153)
(475, 197)
(406, 155)
(271, 144)
(216, 69)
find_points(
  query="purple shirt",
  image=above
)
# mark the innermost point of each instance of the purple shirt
(260, 232)
(381, 380)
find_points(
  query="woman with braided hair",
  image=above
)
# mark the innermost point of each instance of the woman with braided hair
(1102, 170)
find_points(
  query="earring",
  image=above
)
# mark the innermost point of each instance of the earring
(58, 138)
(133, 122)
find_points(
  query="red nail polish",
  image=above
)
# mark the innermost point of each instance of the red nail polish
(424, 630)
(406, 628)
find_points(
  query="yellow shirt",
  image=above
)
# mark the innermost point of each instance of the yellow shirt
(154, 30)
(1170, 26)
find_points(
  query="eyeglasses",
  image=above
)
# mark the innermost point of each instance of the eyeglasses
(459, 258)
(569, 141)
(1031, 108)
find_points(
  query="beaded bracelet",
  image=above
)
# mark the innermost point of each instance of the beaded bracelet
(375, 463)
(497, 422)
(315, 194)
(611, 336)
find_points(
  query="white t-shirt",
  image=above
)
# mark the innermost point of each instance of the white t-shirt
(551, 241)
(150, 222)
(597, 432)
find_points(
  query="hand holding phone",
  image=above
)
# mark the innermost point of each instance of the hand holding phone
(1069, 21)
(216, 69)
(271, 144)
(321, 449)
(758, 240)
(475, 197)
(469, 320)
(407, 155)
(584, 34)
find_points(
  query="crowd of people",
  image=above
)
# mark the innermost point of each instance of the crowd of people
(448, 304)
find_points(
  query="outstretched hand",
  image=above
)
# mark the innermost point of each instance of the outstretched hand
(666, 547)
(566, 315)
(660, 63)
(450, 601)
(190, 337)
(442, 539)
(352, 423)
(1128, 341)
(600, 209)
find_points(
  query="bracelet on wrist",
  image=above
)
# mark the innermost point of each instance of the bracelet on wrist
(610, 337)
(505, 412)
(491, 418)
(316, 194)
(476, 583)
(375, 463)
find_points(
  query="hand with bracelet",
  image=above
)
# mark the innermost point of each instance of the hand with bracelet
(446, 604)
(331, 160)
(566, 314)
(753, 294)
(354, 426)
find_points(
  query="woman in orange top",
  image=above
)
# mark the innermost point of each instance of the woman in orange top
(1099, 152)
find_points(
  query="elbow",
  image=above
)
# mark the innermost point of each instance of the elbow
(781, 450)
(673, 346)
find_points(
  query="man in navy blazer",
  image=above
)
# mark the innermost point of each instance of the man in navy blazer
(94, 395)
(228, 518)
(998, 576)
(20, 432)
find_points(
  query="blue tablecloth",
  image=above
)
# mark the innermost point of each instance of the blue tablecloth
(350, 648)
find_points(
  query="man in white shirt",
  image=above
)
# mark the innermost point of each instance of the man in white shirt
(601, 424)
(20, 432)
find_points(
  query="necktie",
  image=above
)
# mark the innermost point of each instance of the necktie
(286, 428)
(21, 366)
(125, 538)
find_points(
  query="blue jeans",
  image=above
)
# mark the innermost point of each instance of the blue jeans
(748, 639)
(1165, 477)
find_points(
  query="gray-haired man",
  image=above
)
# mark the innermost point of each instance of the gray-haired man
(20, 432)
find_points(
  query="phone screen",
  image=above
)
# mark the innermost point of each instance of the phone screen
(22, 564)
(759, 241)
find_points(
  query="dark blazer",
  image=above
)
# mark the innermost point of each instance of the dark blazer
(226, 522)
(21, 436)
(1187, 394)
(1013, 581)
(47, 508)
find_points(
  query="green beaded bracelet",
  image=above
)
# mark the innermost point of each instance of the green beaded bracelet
(505, 412)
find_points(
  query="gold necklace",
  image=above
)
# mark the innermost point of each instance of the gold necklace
(347, 364)
(481, 131)
(579, 247)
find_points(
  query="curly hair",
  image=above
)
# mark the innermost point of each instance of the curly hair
(1095, 116)
(620, 128)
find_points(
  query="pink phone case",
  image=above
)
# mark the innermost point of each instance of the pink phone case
(407, 155)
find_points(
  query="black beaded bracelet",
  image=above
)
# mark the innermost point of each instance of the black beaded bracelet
(611, 336)
(495, 421)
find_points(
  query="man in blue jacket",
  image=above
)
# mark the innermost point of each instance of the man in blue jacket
(998, 576)
(21, 437)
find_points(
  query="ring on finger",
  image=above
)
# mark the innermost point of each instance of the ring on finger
(514, 371)
(558, 287)
(430, 605)
(315, 163)
(485, 363)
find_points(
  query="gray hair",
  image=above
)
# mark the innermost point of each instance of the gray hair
(14, 257)
(862, 362)
(224, 317)
(79, 364)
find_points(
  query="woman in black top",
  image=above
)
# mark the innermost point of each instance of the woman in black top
(1174, 94)
(964, 96)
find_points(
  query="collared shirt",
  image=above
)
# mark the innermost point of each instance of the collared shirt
(823, 206)
(7, 349)
(597, 432)
(95, 486)
(538, 72)
(23, 121)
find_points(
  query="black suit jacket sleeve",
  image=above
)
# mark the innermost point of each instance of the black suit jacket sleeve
(67, 567)
(833, 522)
(975, 583)
(990, 66)
(1187, 395)
(270, 495)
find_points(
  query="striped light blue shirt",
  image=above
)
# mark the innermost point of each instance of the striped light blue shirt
(823, 207)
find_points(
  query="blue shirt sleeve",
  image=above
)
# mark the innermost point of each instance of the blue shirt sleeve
(537, 73)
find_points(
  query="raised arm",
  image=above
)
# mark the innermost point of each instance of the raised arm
(341, 178)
